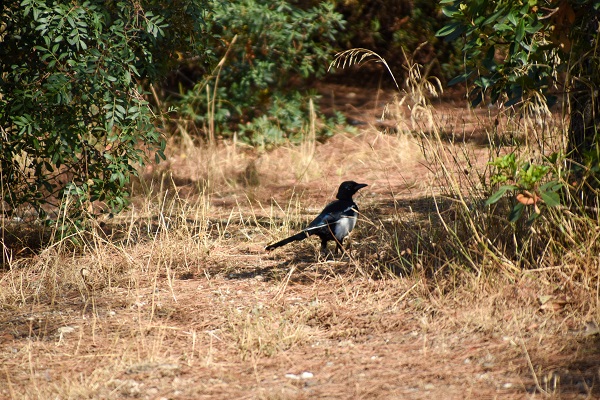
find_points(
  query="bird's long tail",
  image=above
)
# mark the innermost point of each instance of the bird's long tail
(297, 237)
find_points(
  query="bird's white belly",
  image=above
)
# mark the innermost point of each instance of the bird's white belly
(344, 226)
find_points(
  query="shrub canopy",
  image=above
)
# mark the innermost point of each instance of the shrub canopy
(74, 117)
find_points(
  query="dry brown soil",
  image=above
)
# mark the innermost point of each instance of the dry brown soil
(216, 317)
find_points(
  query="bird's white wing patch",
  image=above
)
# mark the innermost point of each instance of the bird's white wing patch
(341, 228)
(347, 223)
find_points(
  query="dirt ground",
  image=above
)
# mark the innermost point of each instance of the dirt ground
(208, 314)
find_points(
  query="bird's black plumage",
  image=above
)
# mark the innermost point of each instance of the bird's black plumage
(335, 222)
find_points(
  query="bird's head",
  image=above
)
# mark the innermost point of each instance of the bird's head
(348, 188)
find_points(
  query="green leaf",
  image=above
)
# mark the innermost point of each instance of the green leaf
(516, 212)
(497, 16)
(551, 199)
(512, 17)
(502, 27)
(484, 82)
(450, 31)
(460, 78)
(534, 28)
(498, 195)
(520, 31)
(552, 186)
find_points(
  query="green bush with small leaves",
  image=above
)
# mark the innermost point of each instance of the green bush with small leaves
(75, 119)
(522, 53)
(270, 52)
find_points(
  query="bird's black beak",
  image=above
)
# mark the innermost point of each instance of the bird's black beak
(359, 186)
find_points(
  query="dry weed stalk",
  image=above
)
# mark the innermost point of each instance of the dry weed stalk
(359, 56)
(308, 147)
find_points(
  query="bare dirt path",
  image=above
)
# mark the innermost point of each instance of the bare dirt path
(326, 333)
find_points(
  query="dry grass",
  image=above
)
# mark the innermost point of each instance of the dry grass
(177, 299)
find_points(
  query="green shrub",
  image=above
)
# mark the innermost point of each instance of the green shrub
(529, 180)
(73, 111)
(270, 51)
(522, 53)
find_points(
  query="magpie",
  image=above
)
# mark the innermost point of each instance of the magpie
(335, 221)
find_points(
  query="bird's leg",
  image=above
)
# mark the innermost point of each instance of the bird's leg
(339, 247)
(323, 247)
(325, 252)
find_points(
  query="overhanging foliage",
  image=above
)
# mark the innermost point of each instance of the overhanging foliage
(75, 122)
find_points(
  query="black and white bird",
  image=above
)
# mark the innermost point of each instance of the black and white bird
(335, 222)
